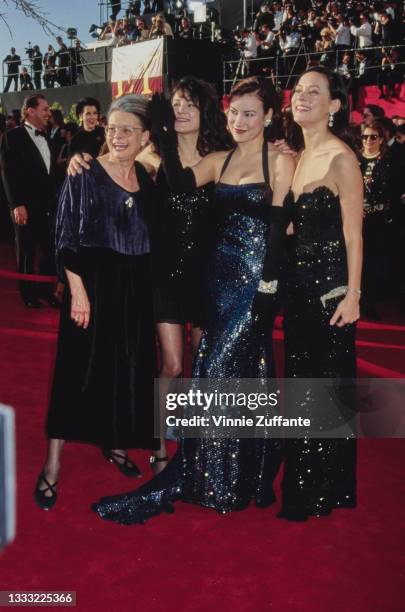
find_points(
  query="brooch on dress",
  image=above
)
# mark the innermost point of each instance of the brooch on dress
(129, 202)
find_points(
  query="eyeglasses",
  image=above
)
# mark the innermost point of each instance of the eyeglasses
(125, 130)
(372, 137)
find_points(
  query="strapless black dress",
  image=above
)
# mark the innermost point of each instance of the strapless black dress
(320, 474)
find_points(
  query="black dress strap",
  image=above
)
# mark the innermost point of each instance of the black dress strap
(226, 162)
(265, 163)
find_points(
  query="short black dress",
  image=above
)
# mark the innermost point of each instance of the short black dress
(184, 237)
(102, 389)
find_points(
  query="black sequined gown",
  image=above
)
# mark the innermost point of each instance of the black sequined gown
(320, 474)
(378, 234)
(223, 474)
(181, 249)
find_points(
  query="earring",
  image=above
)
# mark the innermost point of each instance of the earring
(267, 123)
(331, 120)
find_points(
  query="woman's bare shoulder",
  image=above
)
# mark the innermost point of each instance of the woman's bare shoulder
(344, 160)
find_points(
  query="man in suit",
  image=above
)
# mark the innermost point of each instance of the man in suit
(29, 171)
(37, 61)
(13, 62)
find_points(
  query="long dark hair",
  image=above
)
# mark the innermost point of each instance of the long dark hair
(266, 92)
(213, 134)
(337, 91)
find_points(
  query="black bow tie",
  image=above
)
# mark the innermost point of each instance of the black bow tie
(37, 132)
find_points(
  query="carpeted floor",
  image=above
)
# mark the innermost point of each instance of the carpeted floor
(195, 559)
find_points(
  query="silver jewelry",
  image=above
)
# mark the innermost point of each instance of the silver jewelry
(129, 202)
(267, 123)
(269, 287)
(331, 120)
(336, 292)
(350, 290)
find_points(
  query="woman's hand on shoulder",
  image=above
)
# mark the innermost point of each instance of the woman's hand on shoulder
(149, 159)
(78, 162)
(282, 146)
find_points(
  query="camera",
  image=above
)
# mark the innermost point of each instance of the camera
(29, 51)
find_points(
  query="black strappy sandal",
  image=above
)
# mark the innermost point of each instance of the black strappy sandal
(154, 460)
(127, 467)
(45, 502)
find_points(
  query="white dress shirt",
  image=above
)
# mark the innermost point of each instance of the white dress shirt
(269, 40)
(250, 50)
(364, 34)
(342, 35)
(278, 20)
(41, 144)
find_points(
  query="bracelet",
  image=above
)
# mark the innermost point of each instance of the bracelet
(358, 291)
(269, 287)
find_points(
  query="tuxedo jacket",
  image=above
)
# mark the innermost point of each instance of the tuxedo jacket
(25, 176)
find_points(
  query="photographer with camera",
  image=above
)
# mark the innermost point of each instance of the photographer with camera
(50, 67)
(391, 74)
(267, 50)
(263, 17)
(340, 30)
(386, 30)
(13, 62)
(25, 80)
(361, 75)
(37, 59)
(363, 33)
(64, 62)
(290, 41)
(134, 9)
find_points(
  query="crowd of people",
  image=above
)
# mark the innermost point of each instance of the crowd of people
(61, 66)
(361, 40)
(176, 213)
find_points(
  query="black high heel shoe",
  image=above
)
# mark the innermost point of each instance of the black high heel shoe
(154, 460)
(127, 467)
(45, 502)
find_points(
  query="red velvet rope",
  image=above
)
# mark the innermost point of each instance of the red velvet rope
(38, 278)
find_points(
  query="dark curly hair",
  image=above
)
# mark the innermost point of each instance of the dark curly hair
(213, 135)
(87, 102)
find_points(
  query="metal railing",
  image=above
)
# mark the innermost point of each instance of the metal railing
(235, 70)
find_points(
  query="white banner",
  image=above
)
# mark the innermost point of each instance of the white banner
(138, 68)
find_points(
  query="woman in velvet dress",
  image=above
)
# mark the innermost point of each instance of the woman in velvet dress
(102, 389)
(184, 226)
(323, 289)
(225, 474)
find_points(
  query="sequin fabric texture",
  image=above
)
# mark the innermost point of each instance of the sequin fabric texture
(377, 178)
(319, 474)
(224, 474)
(182, 246)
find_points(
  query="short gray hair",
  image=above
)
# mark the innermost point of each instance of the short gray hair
(136, 105)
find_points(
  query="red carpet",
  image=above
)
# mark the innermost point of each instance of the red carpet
(195, 559)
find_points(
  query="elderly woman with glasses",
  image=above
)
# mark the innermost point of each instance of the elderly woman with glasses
(376, 168)
(102, 390)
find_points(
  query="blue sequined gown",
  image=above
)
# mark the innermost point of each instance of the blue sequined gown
(223, 474)
(319, 474)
